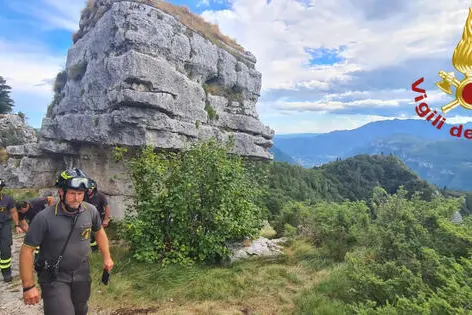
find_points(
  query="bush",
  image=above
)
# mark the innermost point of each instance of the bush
(11, 136)
(188, 205)
(338, 228)
(410, 259)
(293, 215)
(77, 71)
(60, 82)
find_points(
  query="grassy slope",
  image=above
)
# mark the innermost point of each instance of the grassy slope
(258, 286)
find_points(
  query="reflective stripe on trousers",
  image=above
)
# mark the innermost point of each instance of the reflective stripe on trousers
(5, 263)
(5, 246)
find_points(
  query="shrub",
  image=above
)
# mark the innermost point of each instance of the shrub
(3, 155)
(77, 71)
(11, 136)
(234, 94)
(410, 259)
(211, 111)
(188, 205)
(60, 82)
(22, 116)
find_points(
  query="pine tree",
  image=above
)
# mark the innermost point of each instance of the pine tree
(6, 103)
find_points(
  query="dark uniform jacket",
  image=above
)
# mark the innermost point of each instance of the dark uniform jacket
(99, 201)
(50, 229)
(36, 205)
(6, 204)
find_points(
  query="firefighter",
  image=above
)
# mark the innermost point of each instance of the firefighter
(27, 210)
(63, 233)
(100, 202)
(7, 214)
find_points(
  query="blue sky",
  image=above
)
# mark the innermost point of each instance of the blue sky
(326, 64)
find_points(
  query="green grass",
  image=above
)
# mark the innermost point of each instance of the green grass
(262, 286)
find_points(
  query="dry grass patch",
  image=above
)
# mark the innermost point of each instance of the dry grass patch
(3, 155)
(92, 13)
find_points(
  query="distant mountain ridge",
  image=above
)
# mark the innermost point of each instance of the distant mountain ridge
(433, 154)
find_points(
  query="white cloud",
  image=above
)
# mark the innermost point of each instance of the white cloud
(328, 106)
(356, 99)
(203, 3)
(52, 14)
(28, 68)
(279, 32)
(328, 122)
(459, 120)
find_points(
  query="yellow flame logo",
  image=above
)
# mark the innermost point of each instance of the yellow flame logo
(462, 61)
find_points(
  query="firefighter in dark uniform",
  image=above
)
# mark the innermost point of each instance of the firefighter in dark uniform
(27, 210)
(7, 214)
(65, 283)
(100, 202)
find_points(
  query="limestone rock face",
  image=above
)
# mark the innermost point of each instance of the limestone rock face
(134, 76)
(139, 76)
(14, 131)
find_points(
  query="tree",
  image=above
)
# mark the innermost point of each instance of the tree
(6, 103)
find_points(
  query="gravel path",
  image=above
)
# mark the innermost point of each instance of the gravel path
(11, 295)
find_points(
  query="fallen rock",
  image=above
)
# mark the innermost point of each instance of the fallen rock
(262, 247)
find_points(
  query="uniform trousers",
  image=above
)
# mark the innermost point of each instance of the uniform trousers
(5, 247)
(61, 298)
(68, 294)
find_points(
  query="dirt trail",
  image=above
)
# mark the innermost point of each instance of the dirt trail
(11, 296)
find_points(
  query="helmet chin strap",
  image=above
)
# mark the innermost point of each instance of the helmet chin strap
(68, 208)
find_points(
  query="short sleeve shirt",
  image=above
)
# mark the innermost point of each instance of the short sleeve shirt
(36, 205)
(6, 204)
(50, 229)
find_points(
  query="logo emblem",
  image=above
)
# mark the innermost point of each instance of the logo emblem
(85, 235)
(462, 61)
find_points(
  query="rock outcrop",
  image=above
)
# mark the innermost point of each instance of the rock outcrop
(14, 131)
(261, 247)
(137, 76)
(141, 77)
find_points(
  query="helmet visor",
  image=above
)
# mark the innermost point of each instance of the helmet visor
(78, 183)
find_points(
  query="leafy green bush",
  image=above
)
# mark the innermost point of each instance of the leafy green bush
(293, 214)
(337, 228)
(189, 204)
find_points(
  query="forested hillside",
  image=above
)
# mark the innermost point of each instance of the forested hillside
(432, 154)
(351, 179)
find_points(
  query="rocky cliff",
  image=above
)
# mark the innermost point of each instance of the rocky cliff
(139, 76)
(134, 76)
